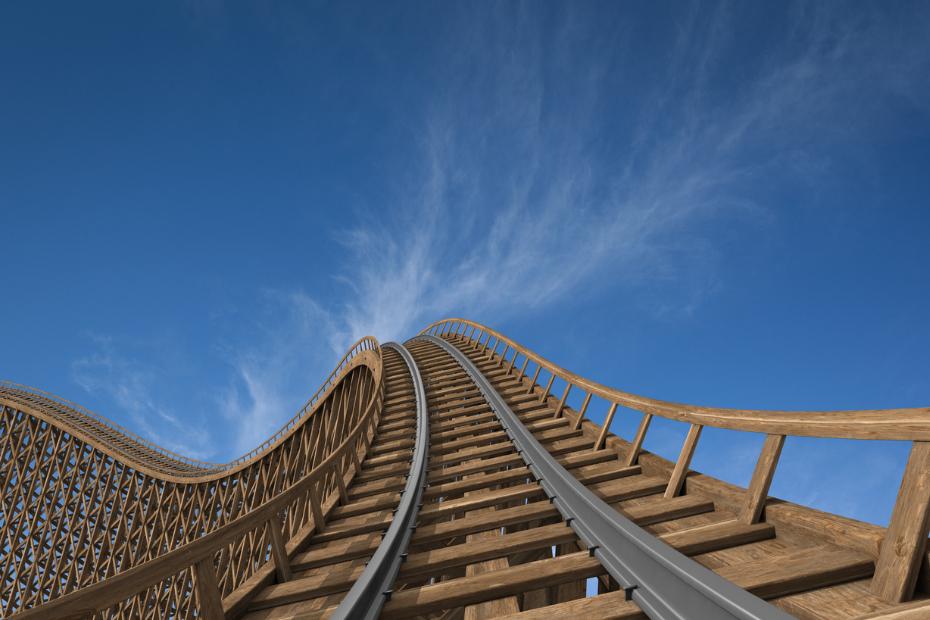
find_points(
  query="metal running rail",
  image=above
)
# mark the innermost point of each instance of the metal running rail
(664, 583)
(372, 590)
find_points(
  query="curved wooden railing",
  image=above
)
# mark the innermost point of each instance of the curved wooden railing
(285, 498)
(128, 445)
(898, 564)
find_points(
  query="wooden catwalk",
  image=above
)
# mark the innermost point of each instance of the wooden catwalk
(445, 478)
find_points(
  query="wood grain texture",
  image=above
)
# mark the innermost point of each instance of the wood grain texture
(684, 462)
(491, 585)
(761, 479)
(903, 548)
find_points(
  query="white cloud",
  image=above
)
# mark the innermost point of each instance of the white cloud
(116, 371)
(277, 371)
(513, 211)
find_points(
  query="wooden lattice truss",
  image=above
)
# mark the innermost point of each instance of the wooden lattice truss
(83, 500)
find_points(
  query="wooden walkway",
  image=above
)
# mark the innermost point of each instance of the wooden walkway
(488, 545)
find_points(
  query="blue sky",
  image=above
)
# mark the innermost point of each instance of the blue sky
(205, 204)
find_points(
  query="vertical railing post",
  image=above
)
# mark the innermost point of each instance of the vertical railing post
(758, 490)
(356, 462)
(637, 446)
(584, 407)
(503, 355)
(545, 394)
(905, 542)
(684, 462)
(533, 382)
(602, 437)
(558, 410)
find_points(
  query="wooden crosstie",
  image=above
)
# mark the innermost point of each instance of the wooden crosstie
(97, 522)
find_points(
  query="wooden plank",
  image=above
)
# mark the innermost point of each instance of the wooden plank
(667, 509)
(608, 606)
(334, 554)
(707, 538)
(641, 515)
(501, 518)
(684, 462)
(626, 488)
(490, 586)
(478, 550)
(346, 530)
(798, 571)
(903, 549)
(306, 588)
(478, 481)
(917, 610)
(761, 479)
(840, 602)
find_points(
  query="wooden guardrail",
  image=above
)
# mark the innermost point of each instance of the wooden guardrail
(903, 551)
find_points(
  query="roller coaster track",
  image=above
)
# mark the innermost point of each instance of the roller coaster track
(440, 479)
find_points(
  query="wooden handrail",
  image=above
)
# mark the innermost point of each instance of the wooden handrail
(90, 426)
(118, 588)
(902, 552)
(888, 424)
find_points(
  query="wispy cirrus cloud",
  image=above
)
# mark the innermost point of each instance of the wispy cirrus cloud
(519, 202)
(116, 371)
(284, 361)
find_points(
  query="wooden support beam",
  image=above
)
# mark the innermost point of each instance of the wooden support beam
(282, 564)
(208, 591)
(684, 462)
(903, 549)
(761, 480)
(316, 509)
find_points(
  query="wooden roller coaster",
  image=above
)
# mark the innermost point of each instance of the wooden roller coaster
(443, 478)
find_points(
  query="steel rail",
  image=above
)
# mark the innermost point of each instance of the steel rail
(373, 588)
(665, 584)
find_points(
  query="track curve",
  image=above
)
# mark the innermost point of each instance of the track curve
(319, 501)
